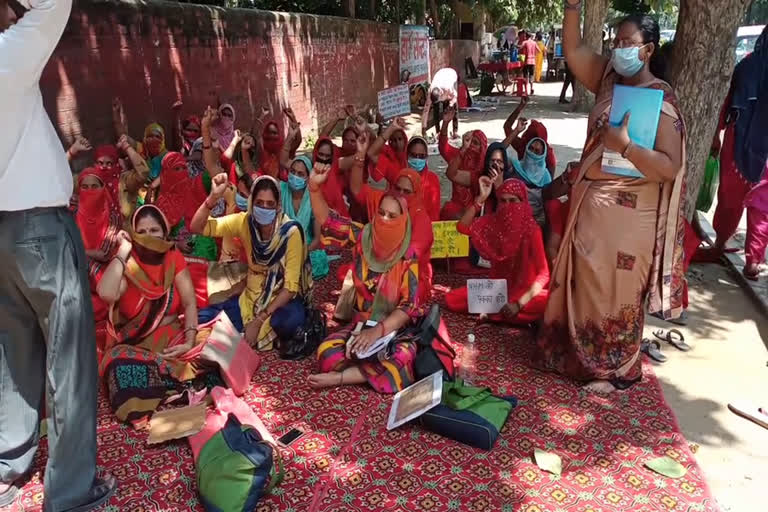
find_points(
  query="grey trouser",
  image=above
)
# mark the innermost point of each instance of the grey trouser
(47, 339)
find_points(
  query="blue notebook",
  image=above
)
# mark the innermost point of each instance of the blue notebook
(645, 108)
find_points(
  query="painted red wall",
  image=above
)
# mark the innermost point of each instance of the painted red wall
(152, 54)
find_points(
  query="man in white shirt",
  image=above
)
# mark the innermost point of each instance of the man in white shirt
(47, 341)
(443, 89)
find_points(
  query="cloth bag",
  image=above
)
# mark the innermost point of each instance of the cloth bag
(709, 185)
(233, 468)
(468, 414)
(434, 352)
(226, 347)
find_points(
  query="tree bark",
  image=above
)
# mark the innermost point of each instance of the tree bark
(700, 70)
(421, 12)
(435, 16)
(478, 22)
(595, 12)
(349, 8)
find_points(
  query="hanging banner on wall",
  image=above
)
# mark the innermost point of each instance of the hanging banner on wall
(414, 53)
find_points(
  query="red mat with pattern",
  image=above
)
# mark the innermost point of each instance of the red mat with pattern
(603, 443)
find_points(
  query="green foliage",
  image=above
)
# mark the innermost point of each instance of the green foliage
(757, 13)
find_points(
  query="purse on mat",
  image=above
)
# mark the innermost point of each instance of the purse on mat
(469, 415)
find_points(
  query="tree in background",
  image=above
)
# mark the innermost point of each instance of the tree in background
(595, 12)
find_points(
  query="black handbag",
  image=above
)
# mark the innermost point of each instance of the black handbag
(434, 353)
(307, 337)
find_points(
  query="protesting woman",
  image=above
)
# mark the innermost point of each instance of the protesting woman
(386, 289)
(464, 169)
(152, 319)
(623, 243)
(279, 280)
(511, 241)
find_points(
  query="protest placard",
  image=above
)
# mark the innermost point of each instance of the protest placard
(486, 295)
(395, 101)
(449, 243)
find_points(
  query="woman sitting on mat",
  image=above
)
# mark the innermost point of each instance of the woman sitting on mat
(464, 169)
(386, 289)
(148, 289)
(273, 304)
(512, 242)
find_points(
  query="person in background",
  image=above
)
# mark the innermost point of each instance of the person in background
(622, 250)
(152, 147)
(185, 131)
(540, 56)
(512, 242)
(223, 129)
(532, 171)
(568, 82)
(348, 136)
(296, 203)
(742, 163)
(464, 168)
(531, 50)
(47, 342)
(273, 304)
(386, 290)
(443, 89)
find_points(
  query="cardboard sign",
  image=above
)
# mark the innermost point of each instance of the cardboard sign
(395, 101)
(449, 243)
(414, 52)
(176, 423)
(486, 295)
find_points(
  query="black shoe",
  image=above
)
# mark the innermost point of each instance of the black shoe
(101, 490)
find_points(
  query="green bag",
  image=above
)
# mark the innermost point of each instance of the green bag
(708, 189)
(468, 414)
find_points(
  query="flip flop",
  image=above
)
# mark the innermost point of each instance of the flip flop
(677, 342)
(101, 490)
(9, 496)
(653, 349)
(751, 412)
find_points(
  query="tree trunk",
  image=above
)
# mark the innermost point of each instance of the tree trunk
(421, 12)
(478, 22)
(349, 8)
(435, 16)
(594, 16)
(700, 70)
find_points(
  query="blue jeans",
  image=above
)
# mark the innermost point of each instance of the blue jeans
(47, 344)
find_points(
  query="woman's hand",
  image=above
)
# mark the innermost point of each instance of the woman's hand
(185, 245)
(363, 341)
(178, 350)
(486, 186)
(510, 310)
(124, 245)
(288, 112)
(219, 185)
(449, 114)
(293, 130)
(238, 136)
(209, 117)
(80, 145)
(521, 126)
(616, 138)
(248, 142)
(117, 109)
(363, 141)
(123, 144)
(319, 176)
(347, 111)
(397, 124)
(497, 177)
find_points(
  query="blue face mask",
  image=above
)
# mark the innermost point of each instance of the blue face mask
(626, 61)
(417, 164)
(296, 183)
(263, 216)
(242, 202)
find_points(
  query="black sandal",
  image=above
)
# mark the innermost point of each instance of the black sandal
(101, 491)
(653, 349)
(677, 341)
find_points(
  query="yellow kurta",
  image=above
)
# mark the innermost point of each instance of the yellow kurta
(539, 60)
(236, 225)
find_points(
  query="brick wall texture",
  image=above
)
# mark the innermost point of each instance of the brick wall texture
(151, 54)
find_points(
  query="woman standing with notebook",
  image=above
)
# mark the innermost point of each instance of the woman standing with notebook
(622, 244)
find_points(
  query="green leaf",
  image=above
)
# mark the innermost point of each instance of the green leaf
(666, 466)
(548, 461)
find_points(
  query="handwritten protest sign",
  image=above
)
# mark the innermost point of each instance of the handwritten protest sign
(395, 101)
(414, 52)
(449, 243)
(486, 295)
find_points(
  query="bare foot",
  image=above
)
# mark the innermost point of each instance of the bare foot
(601, 387)
(325, 380)
(752, 271)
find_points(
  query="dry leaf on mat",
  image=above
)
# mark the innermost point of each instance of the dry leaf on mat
(666, 466)
(548, 461)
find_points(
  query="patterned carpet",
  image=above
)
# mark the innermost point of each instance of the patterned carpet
(603, 443)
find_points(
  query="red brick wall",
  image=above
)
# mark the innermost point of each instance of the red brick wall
(152, 54)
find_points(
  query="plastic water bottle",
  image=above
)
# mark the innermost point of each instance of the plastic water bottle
(468, 358)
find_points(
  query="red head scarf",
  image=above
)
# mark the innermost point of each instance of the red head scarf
(110, 176)
(272, 143)
(97, 215)
(415, 200)
(504, 234)
(180, 195)
(348, 151)
(188, 142)
(473, 160)
(422, 236)
(337, 184)
(535, 130)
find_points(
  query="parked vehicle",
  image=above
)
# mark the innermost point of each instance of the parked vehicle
(746, 39)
